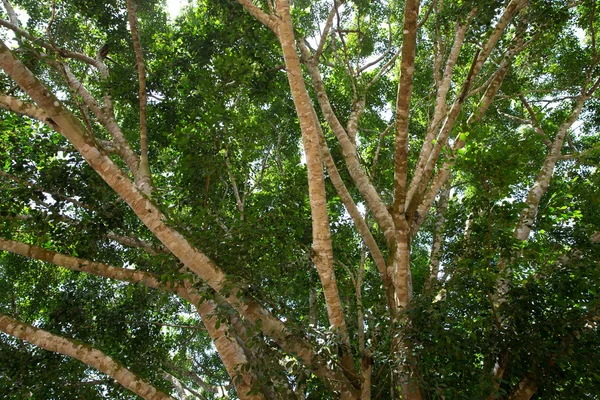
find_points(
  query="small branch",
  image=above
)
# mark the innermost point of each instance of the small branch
(27, 184)
(593, 30)
(63, 52)
(444, 83)
(326, 29)
(139, 57)
(236, 193)
(91, 267)
(383, 70)
(12, 15)
(438, 236)
(383, 134)
(138, 243)
(346, 61)
(197, 379)
(426, 16)
(534, 122)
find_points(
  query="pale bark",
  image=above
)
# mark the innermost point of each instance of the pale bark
(63, 52)
(238, 199)
(423, 174)
(445, 81)
(84, 353)
(23, 108)
(91, 267)
(366, 370)
(268, 20)
(323, 253)
(543, 178)
(327, 28)
(229, 350)
(177, 384)
(108, 121)
(535, 123)
(153, 218)
(138, 243)
(197, 379)
(443, 174)
(438, 235)
(12, 15)
(359, 177)
(353, 211)
(366, 364)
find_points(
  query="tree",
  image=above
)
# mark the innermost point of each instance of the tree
(444, 200)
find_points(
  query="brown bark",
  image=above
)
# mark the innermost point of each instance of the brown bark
(139, 58)
(405, 86)
(84, 353)
(152, 217)
(524, 390)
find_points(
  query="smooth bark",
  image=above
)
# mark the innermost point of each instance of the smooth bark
(84, 353)
(322, 248)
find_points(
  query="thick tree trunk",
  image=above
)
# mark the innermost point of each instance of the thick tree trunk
(84, 353)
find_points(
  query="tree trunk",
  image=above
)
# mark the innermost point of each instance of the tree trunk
(323, 257)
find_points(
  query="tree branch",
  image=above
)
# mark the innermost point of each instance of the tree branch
(358, 175)
(146, 177)
(84, 353)
(91, 267)
(63, 52)
(269, 21)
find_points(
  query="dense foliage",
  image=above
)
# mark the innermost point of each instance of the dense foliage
(229, 173)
